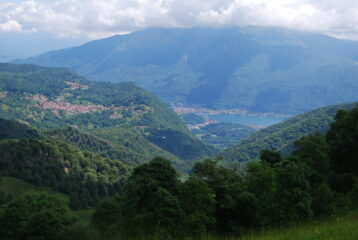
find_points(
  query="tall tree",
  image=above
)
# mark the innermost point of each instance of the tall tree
(149, 204)
(226, 185)
(197, 201)
(342, 139)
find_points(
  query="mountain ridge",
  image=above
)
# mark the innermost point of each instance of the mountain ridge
(252, 68)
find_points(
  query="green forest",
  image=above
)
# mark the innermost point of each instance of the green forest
(124, 118)
(317, 182)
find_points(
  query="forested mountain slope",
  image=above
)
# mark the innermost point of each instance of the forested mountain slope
(280, 137)
(49, 98)
(254, 68)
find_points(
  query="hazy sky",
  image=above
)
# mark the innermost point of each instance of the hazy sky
(48, 24)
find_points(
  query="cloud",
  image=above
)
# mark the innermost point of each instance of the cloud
(11, 26)
(94, 19)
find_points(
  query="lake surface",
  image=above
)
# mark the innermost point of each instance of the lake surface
(263, 121)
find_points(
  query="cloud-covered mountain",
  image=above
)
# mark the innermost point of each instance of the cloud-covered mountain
(254, 68)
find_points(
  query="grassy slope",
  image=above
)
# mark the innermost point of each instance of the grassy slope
(15, 186)
(334, 228)
(281, 136)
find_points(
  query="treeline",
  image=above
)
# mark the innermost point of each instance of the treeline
(319, 177)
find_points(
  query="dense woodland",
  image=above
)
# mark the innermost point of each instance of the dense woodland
(319, 178)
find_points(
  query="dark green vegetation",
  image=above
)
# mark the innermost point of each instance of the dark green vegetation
(39, 215)
(85, 177)
(259, 69)
(223, 135)
(10, 129)
(316, 180)
(115, 120)
(280, 137)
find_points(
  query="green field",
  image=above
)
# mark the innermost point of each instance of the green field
(334, 228)
(14, 186)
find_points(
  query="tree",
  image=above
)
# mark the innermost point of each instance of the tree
(261, 181)
(323, 200)
(35, 215)
(197, 201)
(107, 215)
(342, 139)
(149, 205)
(294, 192)
(313, 151)
(226, 185)
(270, 157)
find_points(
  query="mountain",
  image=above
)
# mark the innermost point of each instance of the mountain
(280, 137)
(121, 113)
(252, 68)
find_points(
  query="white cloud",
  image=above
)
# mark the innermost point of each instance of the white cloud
(11, 26)
(94, 18)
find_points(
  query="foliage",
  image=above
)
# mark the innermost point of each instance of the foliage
(270, 157)
(225, 184)
(82, 175)
(197, 201)
(342, 139)
(149, 204)
(273, 192)
(35, 215)
(10, 129)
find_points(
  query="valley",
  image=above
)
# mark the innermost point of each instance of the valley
(179, 133)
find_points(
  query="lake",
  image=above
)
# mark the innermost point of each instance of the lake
(263, 121)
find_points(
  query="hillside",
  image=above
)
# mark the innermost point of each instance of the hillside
(10, 129)
(223, 135)
(252, 68)
(49, 98)
(282, 135)
(84, 176)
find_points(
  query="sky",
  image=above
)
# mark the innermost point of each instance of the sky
(30, 27)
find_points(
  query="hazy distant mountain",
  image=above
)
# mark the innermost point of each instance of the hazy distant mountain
(260, 69)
